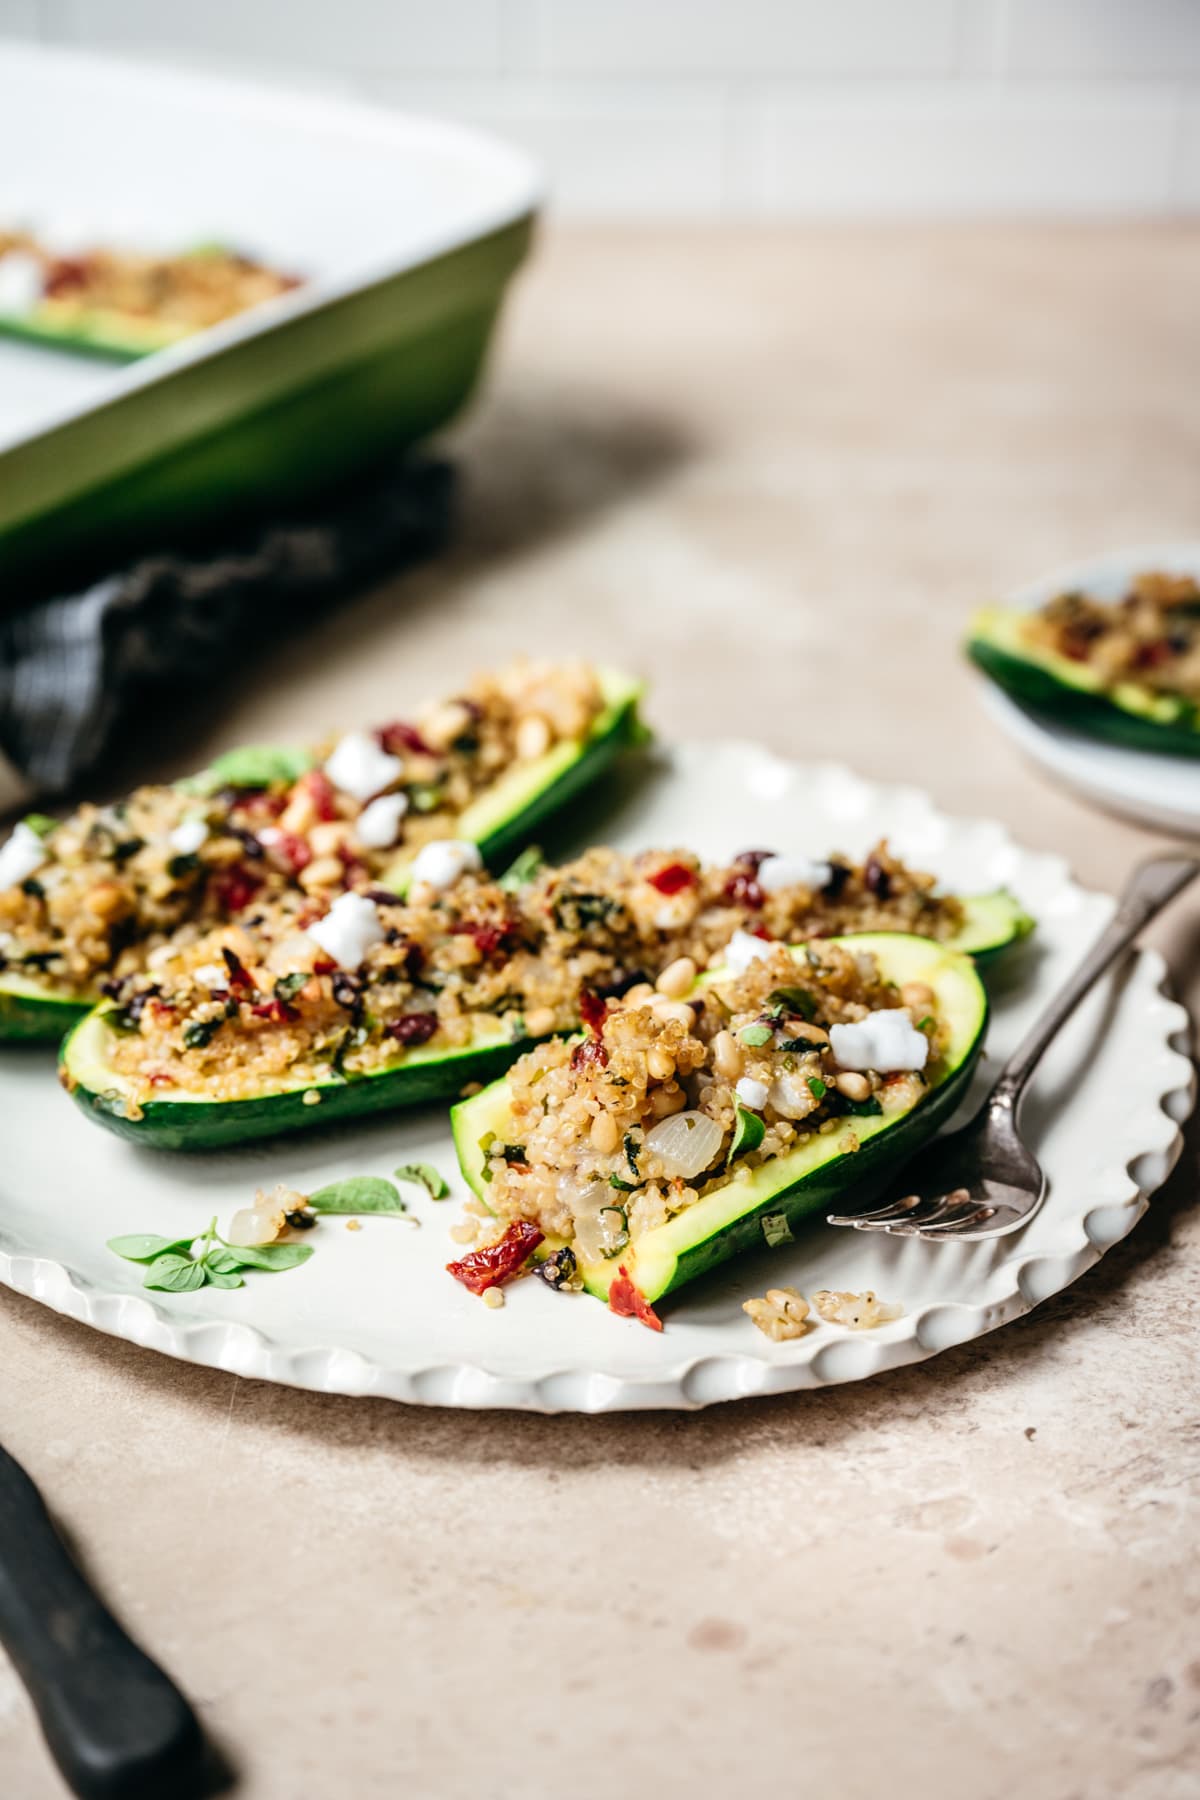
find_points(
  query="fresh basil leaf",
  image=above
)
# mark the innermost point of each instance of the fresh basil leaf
(199, 1032)
(431, 1179)
(358, 1194)
(756, 1035)
(42, 823)
(624, 1187)
(223, 1259)
(272, 1257)
(145, 1246)
(817, 1087)
(288, 986)
(174, 1275)
(797, 1000)
(776, 1229)
(221, 1278)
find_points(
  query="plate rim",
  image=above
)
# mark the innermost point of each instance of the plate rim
(1151, 1143)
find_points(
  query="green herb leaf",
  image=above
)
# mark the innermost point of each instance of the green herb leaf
(221, 1278)
(776, 1229)
(756, 1035)
(145, 1246)
(271, 1257)
(358, 1194)
(796, 1000)
(624, 1187)
(42, 823)
(288, 986)
(201, 1032)
(222, 1259)
(258, 766)
(927, 1020)
(817, 1087)
(524, 871)
(435, 1184)
(748, 1133)
(423, 797)
(174, 1274)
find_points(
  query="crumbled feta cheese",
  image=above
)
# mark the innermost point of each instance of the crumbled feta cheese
(349, 929)
(359, 766)
(744, 948)
(211, 975)
(188, 836)
(791, 1097)
(22, 282)
(884, 1041)
(21, 856)
(378, 825)
(751, 1093)
(441, 864)
(777, 872)
(270, 834)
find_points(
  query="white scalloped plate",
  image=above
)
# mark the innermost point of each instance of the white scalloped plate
(374, 1312)
(1144, 785)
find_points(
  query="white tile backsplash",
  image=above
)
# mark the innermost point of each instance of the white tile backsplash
(747, 37)
(728, 108)
(943, 151)
(1123, 38)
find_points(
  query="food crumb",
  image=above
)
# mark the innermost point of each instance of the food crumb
(494, 1297)
(472, 1087)
(860, 1312)
(782, 1313)
(353, 1224)
(312, 1097)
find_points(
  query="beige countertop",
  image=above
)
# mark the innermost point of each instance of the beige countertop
(766, 467)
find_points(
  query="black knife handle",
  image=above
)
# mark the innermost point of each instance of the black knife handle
(118, 1728)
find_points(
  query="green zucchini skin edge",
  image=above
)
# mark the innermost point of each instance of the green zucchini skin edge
(1096, 714)
(26, 1017)
(824, 1187)
(192, 1125)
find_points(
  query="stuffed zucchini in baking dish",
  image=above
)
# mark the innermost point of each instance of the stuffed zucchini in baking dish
(304, 1013)
(86, 902)
(679, 1132)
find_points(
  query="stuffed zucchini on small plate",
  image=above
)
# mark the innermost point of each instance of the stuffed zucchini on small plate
(680, 1131)
(87, 902)
(304, 1012)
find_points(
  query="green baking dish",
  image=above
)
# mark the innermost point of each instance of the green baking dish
(405, 230)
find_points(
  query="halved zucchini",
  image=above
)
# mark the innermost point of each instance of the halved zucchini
(814, 1177)
(98, 331)
(1126, 713)
(500, 821)
(192, 1122)
(992, 923)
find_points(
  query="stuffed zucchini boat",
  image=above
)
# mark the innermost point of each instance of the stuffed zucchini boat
(300, 1012)
(121, 304)
(677, 1134)
(87, 902)
(1127, 671)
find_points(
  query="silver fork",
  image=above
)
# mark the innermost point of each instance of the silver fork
(983, 1180)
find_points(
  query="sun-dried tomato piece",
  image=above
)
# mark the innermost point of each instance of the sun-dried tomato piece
(628, 1302)
(235, 888)
(1152, 656)
(413, 1028)
(65, 275)
(322, 965)
(321, 792)
(239, 978)
(593, 1011)
(398, 737)
(294, 850)
(276, 1010)
(673, 878)
(489, 936)
(480, 1270)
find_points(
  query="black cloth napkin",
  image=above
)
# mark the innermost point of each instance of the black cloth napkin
(74, 666)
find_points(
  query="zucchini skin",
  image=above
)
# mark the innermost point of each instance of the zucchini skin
(24, 1018)
(214, 1124)
(1091, 713)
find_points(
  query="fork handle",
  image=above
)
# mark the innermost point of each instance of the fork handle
(1152, 884)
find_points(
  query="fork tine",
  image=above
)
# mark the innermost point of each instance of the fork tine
(941, 1210)
(897, 1223)
(895, 1209)
(948, 1228)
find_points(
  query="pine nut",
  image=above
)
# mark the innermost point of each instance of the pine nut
(323, 871)
(673, 1009)
(812, 1034)
(605, 1134)
(533, 737)
(539, 1021)
(917, 994)
(636, 995)
(727, 1056)
(854, 1087)
(660, 1063)
(677, 978)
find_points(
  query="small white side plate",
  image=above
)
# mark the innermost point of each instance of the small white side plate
(1155, 790)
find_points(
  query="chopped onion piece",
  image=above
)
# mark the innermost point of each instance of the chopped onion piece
(685, 1144)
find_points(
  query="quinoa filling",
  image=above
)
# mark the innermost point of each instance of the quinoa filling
(261, 1001)
(663, 1100)
(1151, 636)
(95, 896)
